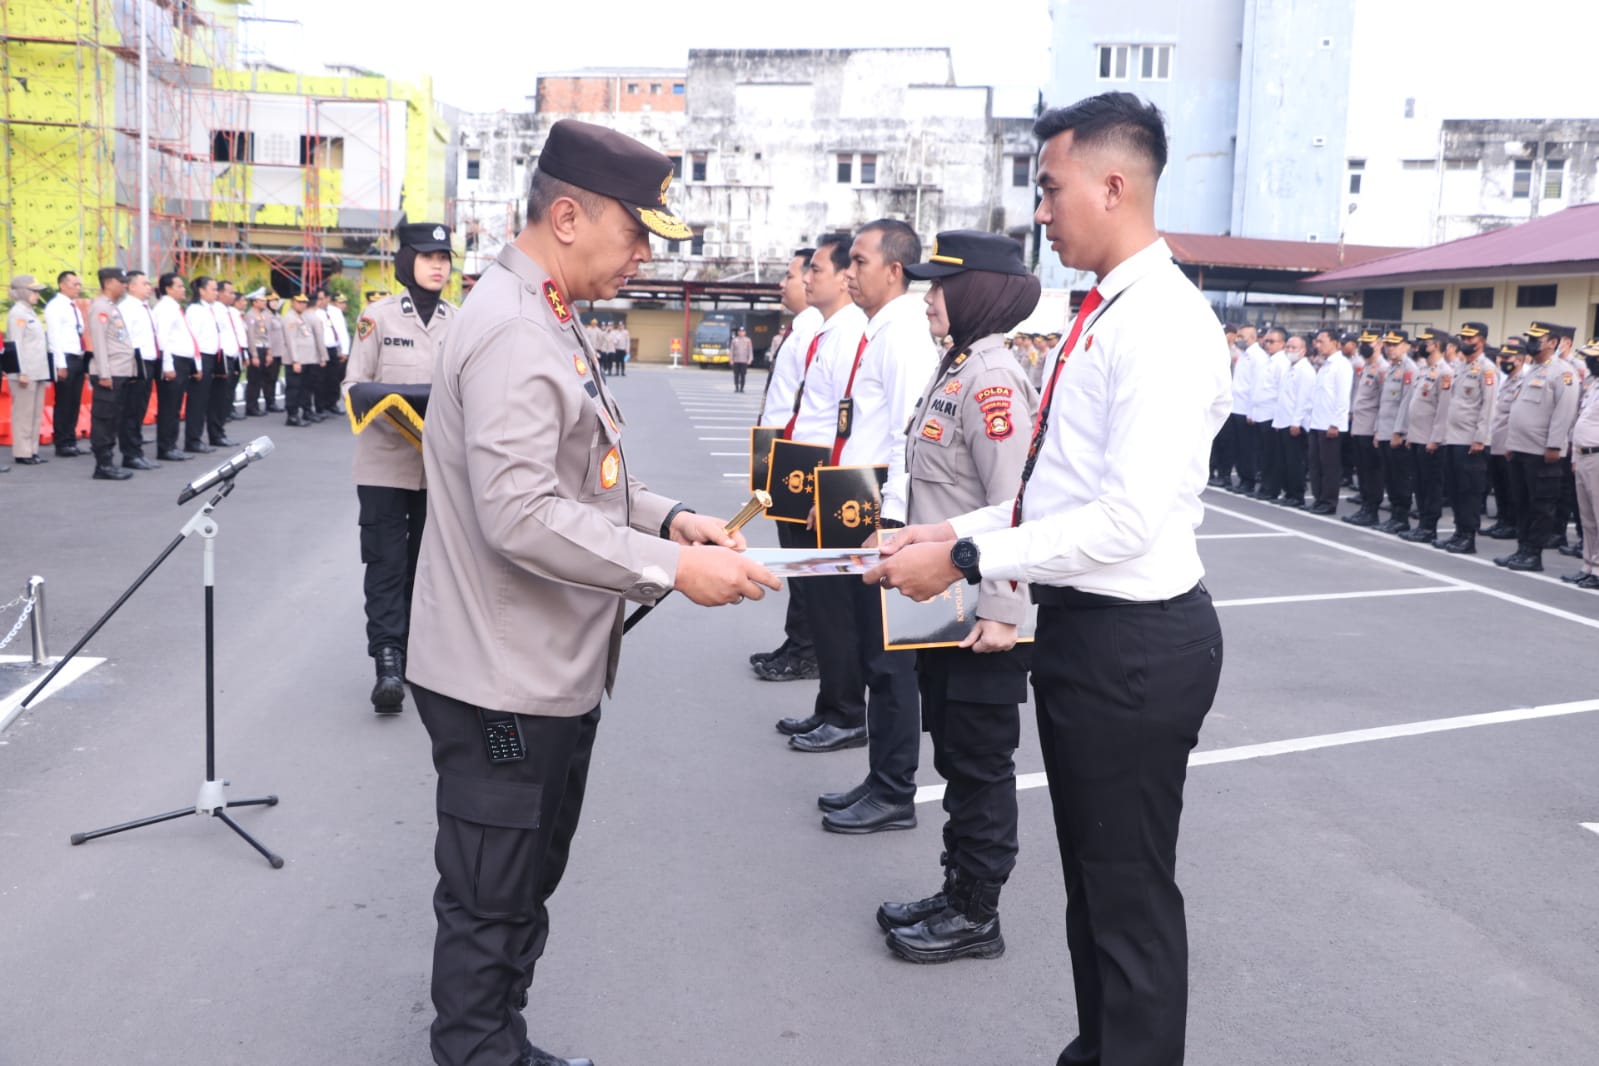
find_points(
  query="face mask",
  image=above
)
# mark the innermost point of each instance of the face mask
(1593, 364)
(1508, 366)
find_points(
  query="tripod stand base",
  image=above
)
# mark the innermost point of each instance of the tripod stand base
(207, 790)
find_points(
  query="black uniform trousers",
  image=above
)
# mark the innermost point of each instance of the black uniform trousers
(1468, 479)
(1368, 468)
(235, 365)
(296, 395)
(1536, 487)
(797, 623)
(261, 381)
(1122, 690)
(830, 608)
(220, 398)
(1430, 467)
(970, 705)
(1504, 496)
(1223, 451)
(312, 383)
(1346, 453)
(1295, 448)
(1326, 465)
(740, 372)
(1566, 505)
(505, 832)
(332, 376)
(169, 404)
(893, 714)
(68, 402)
(196, 395)
(391, 538)
(105, 419)
(135, 405)
(1271, 459)
(1399, 477)
(1245, 451)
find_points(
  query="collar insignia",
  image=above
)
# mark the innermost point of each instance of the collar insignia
(557, 302)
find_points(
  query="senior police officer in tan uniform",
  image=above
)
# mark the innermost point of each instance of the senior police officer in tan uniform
(1585, 466)
(396, 340)
(112, 366)
(25, 333)
(537, 533)
(1466, 431)
(302, 356)
(965, 448)
(1541, 417)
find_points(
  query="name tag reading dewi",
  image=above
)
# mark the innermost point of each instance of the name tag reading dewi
(849, 502)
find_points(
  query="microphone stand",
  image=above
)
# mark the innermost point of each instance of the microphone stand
(211, 799)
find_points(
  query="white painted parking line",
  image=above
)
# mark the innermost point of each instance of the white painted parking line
(734, 455)
(11, 705)
(1316, 597)
(1412, 568)
(934, 793)
(722, 438)
(1592, 827)
(1237, 536)
(742, 473)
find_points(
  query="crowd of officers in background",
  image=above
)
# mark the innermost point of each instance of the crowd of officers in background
(189, 342)
(612, 343)
(1424, 420)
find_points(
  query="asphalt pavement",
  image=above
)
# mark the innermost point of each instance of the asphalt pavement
(1380, 867)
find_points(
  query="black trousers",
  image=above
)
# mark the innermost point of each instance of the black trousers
(1245, 451)
(1536, 487)
(1122, 690)
(391, 538)
(505, 832)
(169, 401)
(69, 400)
(220, 398)
(1295, 449)
(1223, 451)
(196, 396)
(1346, 453)
(332, 376)
(135, 405)
(970, 706)
(740, 372)
(797, 623)
(1397, 474)
(830, 607)
(295, 397)
(235, 365)
(1430, 468)
(1326, 464)
(893, 713)
(312, 383)
(1368, 467)
(1468, 479)
(260, 380)
(1566, 505)
(1505, 512)
(105, 419)
(1271, 459)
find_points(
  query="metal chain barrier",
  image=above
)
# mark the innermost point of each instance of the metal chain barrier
(26, 602)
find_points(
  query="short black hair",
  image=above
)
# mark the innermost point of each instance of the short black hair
(1121, 118)
(224, 285)
(1282, 333)
(166, 282)
(803, 253)
(837, 247)
(110, 274)
(899, 242)
(64, 275)
(1330, 335)
(135, 274)
(197, 286)
(543, 190)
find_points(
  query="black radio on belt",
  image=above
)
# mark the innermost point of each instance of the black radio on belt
(502, 737)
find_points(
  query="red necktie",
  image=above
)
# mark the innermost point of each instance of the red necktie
(1091, 303)
(810, 353)
(838, 441)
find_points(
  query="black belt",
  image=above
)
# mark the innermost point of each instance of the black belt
(1587, 451)
(1056, 596)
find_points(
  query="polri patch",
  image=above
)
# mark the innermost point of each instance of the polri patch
(557, 302)
(364, 327)
(933, 430)
(993, 392)
(999, 423)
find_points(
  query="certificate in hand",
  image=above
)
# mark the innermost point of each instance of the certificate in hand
(814, 562)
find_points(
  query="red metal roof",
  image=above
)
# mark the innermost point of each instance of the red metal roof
(1564, 242)
(1305, 257)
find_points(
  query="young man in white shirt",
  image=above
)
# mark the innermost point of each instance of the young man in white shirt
(1129, 650)
(180, 362)
(64, 329)
(205, 324)
(136, 316)
(1329, 421)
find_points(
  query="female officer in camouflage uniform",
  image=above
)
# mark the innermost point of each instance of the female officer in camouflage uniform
(965, 448)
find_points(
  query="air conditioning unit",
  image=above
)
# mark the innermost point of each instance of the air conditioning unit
(713, 233)
(1312, 237)
(712, 251)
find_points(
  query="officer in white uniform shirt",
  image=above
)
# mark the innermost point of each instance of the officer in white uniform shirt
(135, 309)
(180, 374)
(1128, 652)
(63, 331)
(206, 326)
(235, 344)
(1246, 444)
(1329, 420)
(1270, 379)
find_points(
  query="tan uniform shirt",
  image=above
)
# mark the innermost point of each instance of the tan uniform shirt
(536, 531)
(109, 340)
(1544, 409)
(304, 347)
(1585, 432)
(255, 330)
(277, 337)
(316, 321)
(741, 351)
(1368, 397)
(392, 345)
(1473, 389)
(1397, 380)
(1418, 412)
(965, 449)
(1499, 428)
(24, 329)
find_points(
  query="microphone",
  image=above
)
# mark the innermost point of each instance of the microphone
(259, 448)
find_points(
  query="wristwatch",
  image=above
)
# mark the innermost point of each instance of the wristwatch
(964, 556)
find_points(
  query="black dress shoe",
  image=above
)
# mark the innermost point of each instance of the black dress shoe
(1465, 546)
(272, 409)
(255, 414)
(837, 801)
(1527, 563)
(31, 460)
(1394, 525)
(1292, 503)
(793, 727)
(1442, 544)
(139, 462)
(1324, 508)
(197, 447)
(892, 916)
(947, 936)
(107, 472)
(1361, 518)
(1591, 583)
(388, 693)
(1571, 551)
(759, 657)
(1500, 532)
(224, 442)
(313, 417)
(1419, 535)
(788, 668)
(829, 737)
(870, 814)
(1556, 541)
(294, 420)
(533, 1056)
(172, 457)
(1572, 579)
(71, 451)
(1504, 560)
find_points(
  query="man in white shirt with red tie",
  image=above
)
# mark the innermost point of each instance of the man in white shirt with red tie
(225, 385)
(1129, 651)
(64, 331)
(140, 323)
(180, 366)
(206, 327)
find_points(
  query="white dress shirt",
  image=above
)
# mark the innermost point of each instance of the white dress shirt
(330, 339)
(1269, 379)
(172, 334)
(206, 326)
(1329, 405)
(1282, 415)
(899, 359)
(1245, 371)
(829, 372)
(141, 327)
(341, 330)
(63, 329)
(1115, 497)
(1304, 377)
(788, 367)
(230, 330)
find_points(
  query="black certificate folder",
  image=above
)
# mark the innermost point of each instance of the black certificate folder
(792, 479)
(761, 440)
(849, 501)
(942, 622)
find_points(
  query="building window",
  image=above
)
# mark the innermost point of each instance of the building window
(1357, 171)
(673, 246)
(1410, 107)
(698, 173)
(1021, 171)
(632, 87)
(1521, 180)
(868, 170)
(1554, 179)
(696, 243)
(1460, 164)
(1154, 62)
(232, 146)
(655, 88)
(1113, 62)
(846, 170)
(1536, 295)
(474, 164)
(323, 152)
(1477, 299)
(1427, 300)
(677, 88)
(1418, 164)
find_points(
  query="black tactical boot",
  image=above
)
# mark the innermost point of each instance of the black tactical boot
(891, 916)
(968, 926)
(389, 692)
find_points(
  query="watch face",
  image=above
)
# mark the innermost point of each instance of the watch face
(964, 554)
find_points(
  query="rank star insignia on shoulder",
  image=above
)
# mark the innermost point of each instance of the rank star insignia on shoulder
(557, 302)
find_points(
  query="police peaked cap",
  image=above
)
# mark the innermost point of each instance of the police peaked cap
(955, 251)
(424, 236)
(613, 164)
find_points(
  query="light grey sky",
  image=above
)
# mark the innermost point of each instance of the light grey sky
(486, 54)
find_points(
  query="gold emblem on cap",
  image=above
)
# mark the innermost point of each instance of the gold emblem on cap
(666, 183)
